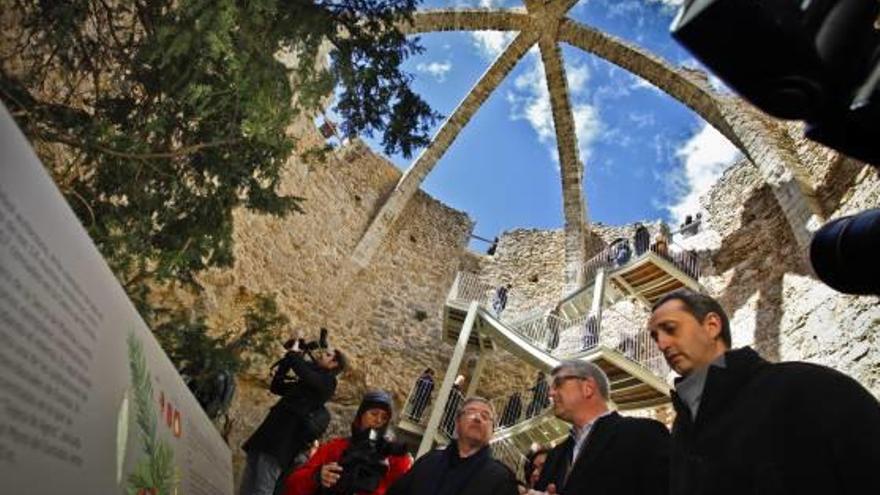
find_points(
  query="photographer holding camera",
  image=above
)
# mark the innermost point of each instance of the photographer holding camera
(298, 418)
(364, 463)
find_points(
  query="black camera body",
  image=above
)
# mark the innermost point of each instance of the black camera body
(817, 61)
(364, 464)
(308, 346)
(811, 60)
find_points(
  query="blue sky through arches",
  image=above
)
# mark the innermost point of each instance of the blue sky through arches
(646, 156)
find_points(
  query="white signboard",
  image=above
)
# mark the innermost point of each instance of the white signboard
(89, 402)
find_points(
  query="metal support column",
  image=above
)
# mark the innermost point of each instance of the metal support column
(474, 382)
(446, 387)
(598, 296)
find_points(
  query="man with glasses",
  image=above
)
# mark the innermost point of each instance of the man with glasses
(466, 466)
(606, 453)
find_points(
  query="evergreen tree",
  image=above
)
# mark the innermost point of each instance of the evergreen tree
(158, 118)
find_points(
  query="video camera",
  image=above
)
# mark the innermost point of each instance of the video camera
(301, 345)
(363, 464)
(811, 60)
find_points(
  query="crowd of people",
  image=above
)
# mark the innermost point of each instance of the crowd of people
(743, 425)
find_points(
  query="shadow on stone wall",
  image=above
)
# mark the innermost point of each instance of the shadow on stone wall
(841, 177)
(760, 253)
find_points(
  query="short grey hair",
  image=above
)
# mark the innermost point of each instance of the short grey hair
(471, 400)
(585, 369)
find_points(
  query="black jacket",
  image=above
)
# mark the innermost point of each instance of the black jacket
(442, 472)
(787, 428)
(621, 456)
(282, 434)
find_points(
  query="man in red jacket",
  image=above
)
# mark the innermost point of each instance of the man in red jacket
(366, 463)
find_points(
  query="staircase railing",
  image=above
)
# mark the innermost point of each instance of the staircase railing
(521, 405)
(469, 287)
(563, 337)
(532, 402)
(620, 254)
(507, 452)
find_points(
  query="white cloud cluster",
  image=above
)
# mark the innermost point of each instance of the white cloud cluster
(530, 101)
(490, 44)
(705, 156)
(436, 69)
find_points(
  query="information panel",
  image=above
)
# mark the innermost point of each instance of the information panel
(89, 402)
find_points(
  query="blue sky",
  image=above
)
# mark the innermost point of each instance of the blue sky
(646, 156)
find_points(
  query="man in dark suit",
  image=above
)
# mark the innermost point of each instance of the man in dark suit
(466, 466)
(745, 425)
(606, 453)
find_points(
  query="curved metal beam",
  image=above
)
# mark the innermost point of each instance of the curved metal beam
(412, 179)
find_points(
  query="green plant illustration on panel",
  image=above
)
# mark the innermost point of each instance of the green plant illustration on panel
(154, 473)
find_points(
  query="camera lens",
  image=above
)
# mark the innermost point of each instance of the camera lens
(845, 253)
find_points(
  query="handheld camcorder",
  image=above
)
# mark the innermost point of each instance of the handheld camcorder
(811, 60)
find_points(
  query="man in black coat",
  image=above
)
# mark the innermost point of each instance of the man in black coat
(745, 425)
(606, 453)
(466, 466)
(293, 421)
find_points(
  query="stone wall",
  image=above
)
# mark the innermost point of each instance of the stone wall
(765, 282)
(388, 316)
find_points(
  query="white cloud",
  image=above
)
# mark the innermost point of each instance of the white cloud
(530, 101)
(577, 77)
(639, 83)
(436, 69)
(588, 126)
(642, 119)
(490, 44)
(705, 157)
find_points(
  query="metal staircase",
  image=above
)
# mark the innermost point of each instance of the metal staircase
(572, 329)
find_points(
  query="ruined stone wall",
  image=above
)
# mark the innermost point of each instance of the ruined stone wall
(765, 282)
(386, 317)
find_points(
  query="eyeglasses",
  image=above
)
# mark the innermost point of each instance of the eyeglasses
(559, 380)
(473, 413)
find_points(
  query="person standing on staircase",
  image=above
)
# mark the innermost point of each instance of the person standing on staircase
(466, 466)
(512, 410)
(540, 398)
(500, 300)
(422, 395)
(456, 395)
(606, 453)
(745, 425)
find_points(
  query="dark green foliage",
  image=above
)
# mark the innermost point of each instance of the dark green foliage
(197, 352)
(158, 118)
(173, 113)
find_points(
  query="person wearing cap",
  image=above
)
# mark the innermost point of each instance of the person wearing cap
(465, 466)
(605, 453)
(745, 425)
(367, 462)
